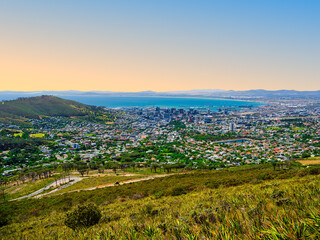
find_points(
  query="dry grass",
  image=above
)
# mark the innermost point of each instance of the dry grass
(251, 204)
(310, 161)
(277, 209)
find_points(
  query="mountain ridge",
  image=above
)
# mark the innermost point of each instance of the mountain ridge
(253, 93)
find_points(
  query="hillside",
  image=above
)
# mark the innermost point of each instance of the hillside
(244, 203)
(37, 107)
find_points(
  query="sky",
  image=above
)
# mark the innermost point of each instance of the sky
(165, 45)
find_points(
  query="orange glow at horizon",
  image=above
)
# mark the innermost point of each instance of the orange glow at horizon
(38, 71)
(108, 46)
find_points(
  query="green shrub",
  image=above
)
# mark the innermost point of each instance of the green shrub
(111, 217)
(283, 201)
(83, 216)
(277, 193)
(212, 184)
(204, 216)
(177, 191)
(314, 171)
(3, 218)
(159, 194)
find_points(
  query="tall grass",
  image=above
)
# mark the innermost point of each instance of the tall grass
(275, 206)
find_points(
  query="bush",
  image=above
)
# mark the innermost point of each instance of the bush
(83, 216)
(203, 217)
(314, 171)
(150, 211)
(283, 201)
(177, 191)
(3, 218)
(111, 217)
(277, 194)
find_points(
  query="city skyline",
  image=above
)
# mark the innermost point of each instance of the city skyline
(132, 46)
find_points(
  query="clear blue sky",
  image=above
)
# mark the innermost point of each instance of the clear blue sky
(159, 45)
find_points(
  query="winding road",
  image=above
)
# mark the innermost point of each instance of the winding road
(75, 179)
(109, 184)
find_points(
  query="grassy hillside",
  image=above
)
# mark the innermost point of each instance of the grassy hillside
(37, 107)
(250, 203)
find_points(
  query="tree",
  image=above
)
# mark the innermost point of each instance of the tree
(82, 168)
(82, 171)
(114, 169)
(25, 134)
(154, 167)
(100, 170)
(2, 192)
(167, 168)
(66, 172)
(274, 164)
(39, 173)
(23, 177)
(77, 158)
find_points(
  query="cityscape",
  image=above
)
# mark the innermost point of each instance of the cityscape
(159, 120)
(275, 132)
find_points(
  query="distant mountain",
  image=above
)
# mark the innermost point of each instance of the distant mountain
(42, 106)
(261, 93)
(213, 93)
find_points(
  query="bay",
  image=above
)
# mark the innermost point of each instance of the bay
(164, 102)
(145, 102)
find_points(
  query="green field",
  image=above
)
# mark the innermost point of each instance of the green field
(17, 134)
(298, 128)
(273, 128)
(37, 135)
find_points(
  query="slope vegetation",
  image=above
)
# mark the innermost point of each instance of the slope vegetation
(37, 107)
(242, 204)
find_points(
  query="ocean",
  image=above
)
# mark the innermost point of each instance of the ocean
(162, 102)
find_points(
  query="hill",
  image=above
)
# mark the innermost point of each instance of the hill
(38, 107)
(252, 202)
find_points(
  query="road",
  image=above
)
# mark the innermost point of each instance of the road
(112, 184)
(73, 180)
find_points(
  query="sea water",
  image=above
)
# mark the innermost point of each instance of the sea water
(144, 102)
(165, 102)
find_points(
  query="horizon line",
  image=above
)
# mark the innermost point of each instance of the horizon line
(205, 89)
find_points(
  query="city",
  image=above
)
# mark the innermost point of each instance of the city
(160, 120)
(202, 139)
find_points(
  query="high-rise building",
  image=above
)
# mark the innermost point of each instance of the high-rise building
(231, 127)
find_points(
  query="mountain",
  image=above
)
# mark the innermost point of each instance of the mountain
(255, 93)
(37, 107)
(212, 93)
(261, 93)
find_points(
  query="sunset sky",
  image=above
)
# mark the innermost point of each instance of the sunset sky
(133, 45)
